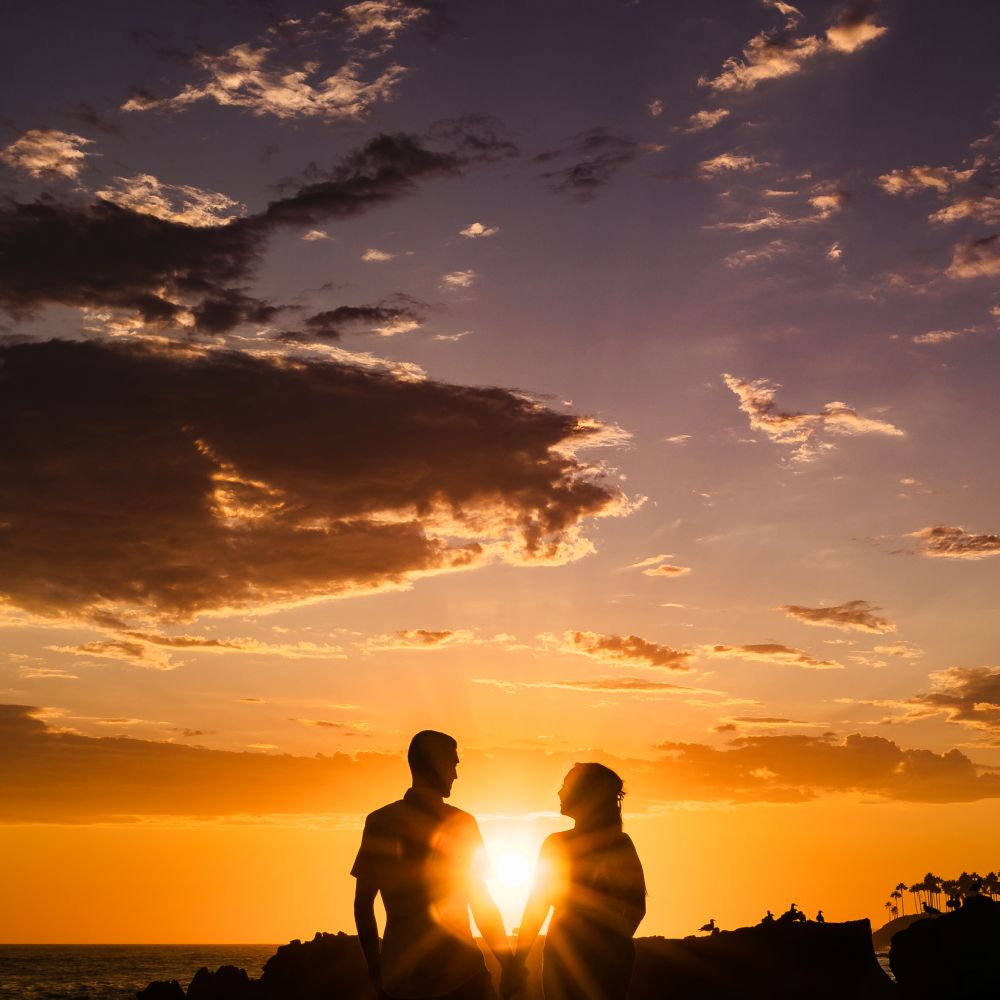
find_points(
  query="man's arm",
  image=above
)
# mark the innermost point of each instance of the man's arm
(487, 916)
(365, 892)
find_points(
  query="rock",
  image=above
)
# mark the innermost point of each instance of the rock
(776, 961)
(330, 967)
(161, 991)
(226, 983)
(952, 955)
(882, 938)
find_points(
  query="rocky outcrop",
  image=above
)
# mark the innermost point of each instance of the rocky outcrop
(952, 955)
(161, 991)
(776, 961)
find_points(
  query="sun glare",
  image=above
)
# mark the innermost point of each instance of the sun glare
(512, 864)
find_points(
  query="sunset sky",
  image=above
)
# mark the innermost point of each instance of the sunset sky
(610, 380)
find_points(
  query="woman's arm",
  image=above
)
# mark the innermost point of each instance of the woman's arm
(539, 902)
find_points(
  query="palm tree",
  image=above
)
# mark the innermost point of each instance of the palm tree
(896, 895)
(900, 889)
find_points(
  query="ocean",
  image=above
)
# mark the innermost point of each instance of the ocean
(113, 972)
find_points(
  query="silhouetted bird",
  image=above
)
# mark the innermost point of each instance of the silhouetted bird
(710, 927)
(820, 919)
(768, 918)
(931, 909)
(791, 915)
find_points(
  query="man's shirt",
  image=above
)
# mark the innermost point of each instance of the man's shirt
(424, 857)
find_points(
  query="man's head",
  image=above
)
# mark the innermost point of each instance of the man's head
(433, 760)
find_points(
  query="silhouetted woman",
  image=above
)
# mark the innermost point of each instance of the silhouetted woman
(592, 879)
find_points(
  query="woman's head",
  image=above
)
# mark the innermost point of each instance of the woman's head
(592, 795)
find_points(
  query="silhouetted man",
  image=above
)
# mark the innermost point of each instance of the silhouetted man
(428, 861)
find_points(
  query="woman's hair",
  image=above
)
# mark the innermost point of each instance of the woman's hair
(599, 791)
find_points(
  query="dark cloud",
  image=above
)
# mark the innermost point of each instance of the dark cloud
(857, 615)
(978, 259)
(385, 319)
(598, 155)
(178, 481)
(106, 255)
(969, 696)
(772, 652)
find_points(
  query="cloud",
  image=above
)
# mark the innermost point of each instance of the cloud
(978, 259)
(702, 120)
(649, 561)
(782, 52)
(46, 153)
(459, 279)
(969, 193)
(383, 319)
(858, 616)
(598, 685)
(946, 542)
(373, 256)
(937, 336)
(102, 255)
(666, 569)
(54, 776)
(180, 203)
(625, 650)
(768, 252)
(314, 235)
(792, 767)
(729, 162)
(807, 431)
(418, 638)
(772, 652)
(476, 230)
(118, 649)
(241, 481)
(655, 108)
(257, 79)
(967, 696)
(599, 154)
(901, 649)
(824, 200)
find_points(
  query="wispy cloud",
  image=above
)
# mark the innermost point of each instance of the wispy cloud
(418, 638)
(375, 256)
(46, 153)
(189, 206)
(729, 163)
(946, 542)
(599, 154)
(969, 696)
(858, 616)
(783, 52)
(700, 121)
(808, 432)
(626, 650)
(459, 279)
(771, 652)
(757, 255)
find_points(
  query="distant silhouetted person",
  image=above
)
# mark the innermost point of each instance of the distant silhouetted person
(428, 861)
(592, 879)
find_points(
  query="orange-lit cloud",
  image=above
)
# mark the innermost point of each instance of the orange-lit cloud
(757, 255)
(419, 638)
(46, 153)
(947, 542)
(901, 649)
(625, 650)
(459, 279)
(808, 431)
(181, 203)
(476, 230)
(857, 615)
(700, 121)
(729, 162)
(772, 652)
(968, 193)
(978, 259)
(249, 482)
(783, 52)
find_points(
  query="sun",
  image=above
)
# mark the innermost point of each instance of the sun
(511, 867)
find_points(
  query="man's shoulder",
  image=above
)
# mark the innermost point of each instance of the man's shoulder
(386, 814)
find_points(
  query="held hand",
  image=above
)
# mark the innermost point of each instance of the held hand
(513, 977)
